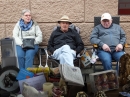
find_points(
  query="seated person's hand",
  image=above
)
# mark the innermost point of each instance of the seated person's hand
(119, 47)
(106, 48)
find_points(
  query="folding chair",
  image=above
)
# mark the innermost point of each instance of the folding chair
(54, 62)
(116, 20)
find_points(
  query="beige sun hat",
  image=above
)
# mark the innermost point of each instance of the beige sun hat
(106, 16)
(65, 18)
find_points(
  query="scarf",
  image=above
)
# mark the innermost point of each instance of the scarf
(25, 27)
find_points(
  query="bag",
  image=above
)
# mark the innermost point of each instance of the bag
(30, 91)
(28, 43)
(124, 69)
(23, 74)
(71, 74)
(85, 59)
(94, 57)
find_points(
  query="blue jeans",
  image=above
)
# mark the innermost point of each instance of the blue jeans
(26, 57)
(106, 58)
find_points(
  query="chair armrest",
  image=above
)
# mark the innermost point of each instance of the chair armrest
(95, 45)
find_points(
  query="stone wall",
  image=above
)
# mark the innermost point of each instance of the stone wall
(48, 12)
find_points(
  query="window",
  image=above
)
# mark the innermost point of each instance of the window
(123, 7)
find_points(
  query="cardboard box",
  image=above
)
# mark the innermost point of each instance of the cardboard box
(36, 82)
(104, 81)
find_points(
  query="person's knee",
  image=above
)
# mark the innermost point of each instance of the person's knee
(121, 55)
(107, 60)
(118, 56)
(20, 55)
(31, 56)
(66, 46)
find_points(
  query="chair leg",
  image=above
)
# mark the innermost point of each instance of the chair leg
(40, 55)
(51, 64)
(94, 68)
(117, 68)
(79, 63)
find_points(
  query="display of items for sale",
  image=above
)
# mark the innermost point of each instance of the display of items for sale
(104, 81)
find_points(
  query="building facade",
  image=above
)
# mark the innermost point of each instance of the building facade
(48, 12)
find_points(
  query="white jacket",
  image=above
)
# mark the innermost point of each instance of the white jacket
(33, 32)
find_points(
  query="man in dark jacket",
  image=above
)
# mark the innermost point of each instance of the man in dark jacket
(110, 39)
(65, 43)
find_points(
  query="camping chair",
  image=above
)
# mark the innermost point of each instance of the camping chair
(116, 20)
(52, 62)
(55, 63)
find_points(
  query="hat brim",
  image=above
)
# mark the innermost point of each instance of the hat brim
(65, 21)
(105, 19)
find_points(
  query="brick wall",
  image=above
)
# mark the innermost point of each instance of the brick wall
(48, 12)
